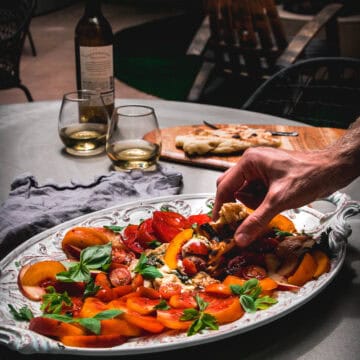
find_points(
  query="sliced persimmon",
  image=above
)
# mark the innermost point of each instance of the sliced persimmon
(32, 277)
(225, 310)
(322, 263)
(171, 319)
(305, 271)
(80, 237)
(142, 305)
(54, 328)
(119, 327)
(93, 341)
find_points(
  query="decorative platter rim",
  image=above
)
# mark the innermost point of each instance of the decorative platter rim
(46, 245)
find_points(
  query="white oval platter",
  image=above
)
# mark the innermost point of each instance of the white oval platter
(46, 245)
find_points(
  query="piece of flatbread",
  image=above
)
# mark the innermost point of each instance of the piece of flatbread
(225, 140)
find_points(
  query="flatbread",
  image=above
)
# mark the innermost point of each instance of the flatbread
(228, 139)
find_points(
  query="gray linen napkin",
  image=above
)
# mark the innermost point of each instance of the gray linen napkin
(32, 208)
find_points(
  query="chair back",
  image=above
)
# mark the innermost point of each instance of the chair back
(320, 92)
(15, 17)
(246, 35)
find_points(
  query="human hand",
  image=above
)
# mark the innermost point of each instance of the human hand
(271, 180)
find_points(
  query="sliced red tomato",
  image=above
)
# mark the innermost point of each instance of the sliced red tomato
(130, 238)
(199, 219)
(167, 224)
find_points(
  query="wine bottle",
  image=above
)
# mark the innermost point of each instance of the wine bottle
(94, 53)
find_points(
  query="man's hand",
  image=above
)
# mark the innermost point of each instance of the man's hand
(271, 180)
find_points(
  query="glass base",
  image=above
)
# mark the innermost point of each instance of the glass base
(135, 165)
(85, 153)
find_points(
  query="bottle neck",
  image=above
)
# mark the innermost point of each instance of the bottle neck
(93, 7)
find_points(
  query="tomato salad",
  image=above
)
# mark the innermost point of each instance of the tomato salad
(168, 272)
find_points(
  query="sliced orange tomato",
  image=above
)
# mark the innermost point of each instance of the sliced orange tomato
(174, 249)
(218, 289)
(171, 319)
(145, 322)
(91, 307)
(148, 292)
(119, 327)
(183, 301)
(142, 305)
(225, 310)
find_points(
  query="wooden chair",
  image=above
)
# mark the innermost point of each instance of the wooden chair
(245, 38)
(15, 17)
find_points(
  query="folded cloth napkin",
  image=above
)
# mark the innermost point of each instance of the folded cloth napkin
(32, 208)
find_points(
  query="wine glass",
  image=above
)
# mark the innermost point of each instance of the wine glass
(134, 139)
(83, 123)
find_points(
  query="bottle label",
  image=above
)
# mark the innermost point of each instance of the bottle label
(97, 72)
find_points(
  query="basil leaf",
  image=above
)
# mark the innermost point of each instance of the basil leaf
(250, 285)
(59, 317)
(95, 257)
(195, 327)
(189, 314)
(91, 324)
(151, 272)
(23, 314)
(91, 288)
(236, 289)
(248, 303)
(162, 305)
(210, 321)
(53, 302)
(76, 273)
(281, 233)
(108, 314)
(265, 302)
(201, 303)
(114, 228)
(148, 271)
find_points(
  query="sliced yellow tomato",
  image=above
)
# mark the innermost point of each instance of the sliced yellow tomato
(174, 248)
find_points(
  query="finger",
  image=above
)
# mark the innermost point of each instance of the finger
(254, 225)
(232, 180)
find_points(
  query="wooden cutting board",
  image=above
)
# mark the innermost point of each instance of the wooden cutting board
(310, 138)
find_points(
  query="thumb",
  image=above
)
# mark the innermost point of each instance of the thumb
(253, 225)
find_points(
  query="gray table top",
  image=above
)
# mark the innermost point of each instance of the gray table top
(325, 328)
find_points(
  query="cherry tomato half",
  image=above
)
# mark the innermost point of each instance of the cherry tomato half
(167, 224)
(199, 219)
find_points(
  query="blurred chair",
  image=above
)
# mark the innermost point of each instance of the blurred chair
(15, 18)
(319, 91)
(246, 39)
